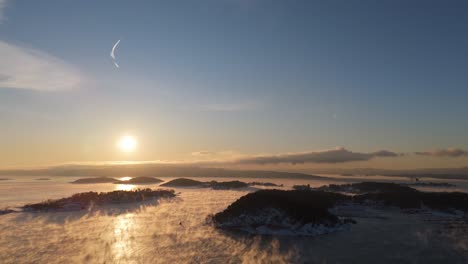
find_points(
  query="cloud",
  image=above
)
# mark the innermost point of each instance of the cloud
(339, 155)
(26, 68)
(448, 152)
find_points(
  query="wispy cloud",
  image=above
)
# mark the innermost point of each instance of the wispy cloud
(26, 68)
(339, 155)
(448, 152)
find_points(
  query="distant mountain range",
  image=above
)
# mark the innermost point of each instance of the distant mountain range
(152, 170)
(442, 173)
(177, 170)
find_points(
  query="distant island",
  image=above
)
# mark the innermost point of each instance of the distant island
(42, 179)
(266, 184)
(4, 179)
(95, 180)
(431, 184)
(136, 180)
(140, 180)
(185, 182)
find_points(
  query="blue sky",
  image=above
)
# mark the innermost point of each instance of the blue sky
(250, 76)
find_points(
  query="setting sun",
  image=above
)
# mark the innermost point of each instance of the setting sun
(127, 143)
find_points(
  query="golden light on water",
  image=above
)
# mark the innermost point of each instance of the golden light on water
(124, 187)
(125, 178)
(127, 143)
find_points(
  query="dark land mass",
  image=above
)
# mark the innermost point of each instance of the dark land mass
(365, 187)
(460, 173)
(95, 180)
(392, 194)
(194, 170)
(81, 201)
(4, 179)
(290, 209)
(183, 182)
(228, 185)
(431, 184)
(140, 180)
(302, 206)
(266, 184)
(6, 211)
(153, 170)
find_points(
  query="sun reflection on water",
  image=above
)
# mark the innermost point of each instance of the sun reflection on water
(124, 187)
(124, 225)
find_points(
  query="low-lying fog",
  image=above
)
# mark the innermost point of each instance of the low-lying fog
(176, 231)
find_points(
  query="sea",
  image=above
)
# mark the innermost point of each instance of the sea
(178, 231)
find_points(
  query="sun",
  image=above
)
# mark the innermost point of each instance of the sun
(127, 143)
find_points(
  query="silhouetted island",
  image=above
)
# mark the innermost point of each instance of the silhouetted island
(365, 187)
(6, 211)
(266, 184)
(282, 212)
(431, 184)
(183, 182)
(81, 201)
(302, 187)
(95, 180)
(228, 185)
(43, 179)
(140, 180)
(4, 179)
(307, 211)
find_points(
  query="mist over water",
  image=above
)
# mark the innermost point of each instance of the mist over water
(176, 230)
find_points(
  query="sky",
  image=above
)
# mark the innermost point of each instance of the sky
(304, 83)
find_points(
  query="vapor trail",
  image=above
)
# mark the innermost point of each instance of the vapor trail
(112, 53)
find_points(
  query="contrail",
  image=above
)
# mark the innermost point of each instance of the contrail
(112, 54)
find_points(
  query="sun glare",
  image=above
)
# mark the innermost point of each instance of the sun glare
(127, 143)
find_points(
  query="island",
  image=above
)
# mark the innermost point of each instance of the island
(228, 185)
(266, 184)
(431, 184)
(140, 180)
(315, 211)
(365, 187)
(184, 182)
(95, 180)
(279, 212)
(81, 201)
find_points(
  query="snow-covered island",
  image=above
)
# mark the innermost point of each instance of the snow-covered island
(310, 211)
(283, 212)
